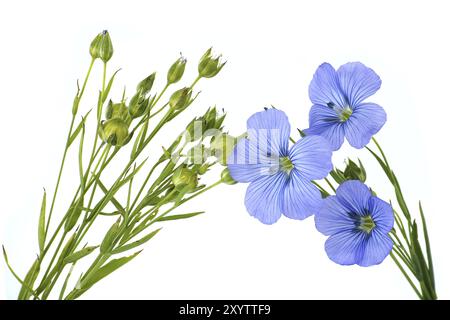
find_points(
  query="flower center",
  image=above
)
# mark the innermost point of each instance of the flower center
(286, 164)
(366, 224)
(345, 113)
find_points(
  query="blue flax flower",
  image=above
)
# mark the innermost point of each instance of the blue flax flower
(339, 109)
(358, 225)
(280, 178)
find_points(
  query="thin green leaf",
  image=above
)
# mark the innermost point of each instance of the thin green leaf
(406, 275)
(30, 279)
(179, 216)
(41, 224)
(427, 244)
(5, 256)
(130, 189)
(63, 289)
(107, 269)
(402, 203)
(136, 243)
(419, 261)
(99, 105)
(113, 199)
(130, 176)
(383, 165)
(79, 254)
(108, 87)
(78, 129)
(136, 144)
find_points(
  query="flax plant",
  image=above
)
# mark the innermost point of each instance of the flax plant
(133, 212)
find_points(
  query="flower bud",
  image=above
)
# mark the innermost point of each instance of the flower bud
(352, 172)
(180, 99)
(355, 172)
(184, 179)
(146, 85)
(115, 132)
(138, 105)
(226, 177)
(209, 66)
(101, 47)
(117, 111)
(176, 71)
(222, 146)
(210, 118)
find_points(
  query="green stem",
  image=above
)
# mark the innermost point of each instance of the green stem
(406, 275)
(66, 148)
(195, 81)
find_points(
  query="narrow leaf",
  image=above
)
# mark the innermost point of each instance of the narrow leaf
(29, 280)
(427, 244)
(113, 199)
(79, 254)
(129, 177)
(136, 243)
(5, 256)
(108, 87)
(41, 224)
(78, 129)
(107, 269)
(63, 289)
(179, 216)
(136, 144)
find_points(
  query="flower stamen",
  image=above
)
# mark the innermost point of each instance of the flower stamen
(366, 224)
(345, 113)
(286, 164)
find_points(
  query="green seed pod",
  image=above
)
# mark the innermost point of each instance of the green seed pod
(114, 132)
(176, 71)
(184, 179)
(117, 111)
(226, 177)
(101, 47)
(138, 105)
(146, 85)
(180, 99)
(74, 215)
(110, 237)
(222, 146)
(209, 66)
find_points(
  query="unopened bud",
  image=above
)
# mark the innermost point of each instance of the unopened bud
(115, 132)
(146, 85)
(117, 111)
(226, 177)
(180, 99)
(101, 47)
(184, 179)
(355, 172)
(138, 105)
(176, 71)
(209, 66)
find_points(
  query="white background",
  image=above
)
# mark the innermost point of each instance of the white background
(273, 49)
